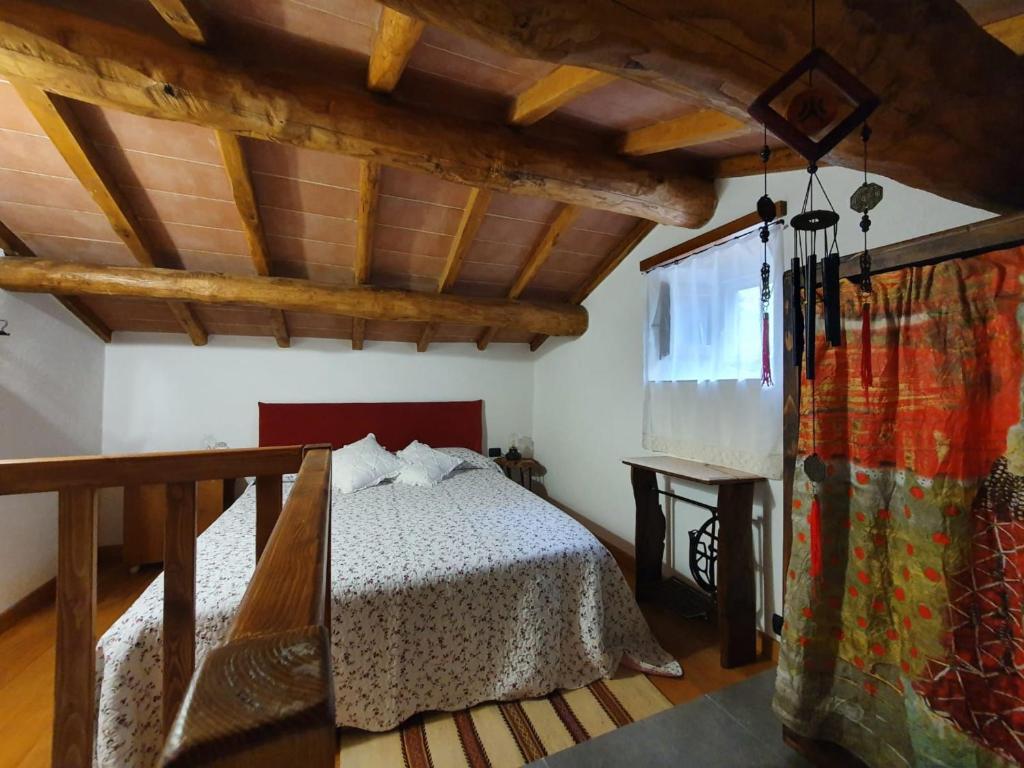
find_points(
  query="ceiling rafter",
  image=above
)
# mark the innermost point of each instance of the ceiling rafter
(185, 22)
(625, 246)
(692, 47)
(562, 223)
(369, 195)
(554, 90)
(237, 168)
(183, 18)
(397, 35)
(13, 245)
(472, 217)
(751, 164)
(700, 127)
(1010, 32)
(290, 294)
(114, 67)
(55, 117)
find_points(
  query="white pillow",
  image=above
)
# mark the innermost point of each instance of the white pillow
(362, 464)
(422, 465)
(471, 459)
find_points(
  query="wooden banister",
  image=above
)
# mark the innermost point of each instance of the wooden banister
(74, 714)
(268, 509)
(265, 697)
(179, 632)
(54, 474)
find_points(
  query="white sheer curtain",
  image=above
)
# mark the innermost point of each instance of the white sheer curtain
(703, 396)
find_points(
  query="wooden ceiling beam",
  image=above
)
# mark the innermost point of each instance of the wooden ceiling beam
(92, 61)
(397, 35)
(289, 294)
(237, 168)
(700, 127)
(557, 88)
(55, 117)
(183, 18)
(626, 246)
(562, 223)
(472, 217)
(944, 134)
(750, 164)
(1010, 32)
(13, 245)
(186, 23)
(369, 193)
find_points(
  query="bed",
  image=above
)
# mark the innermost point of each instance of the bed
(473, 590)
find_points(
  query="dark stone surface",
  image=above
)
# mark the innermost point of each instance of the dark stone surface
(731, 728)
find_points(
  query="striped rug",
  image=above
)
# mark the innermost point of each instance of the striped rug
(507, 734)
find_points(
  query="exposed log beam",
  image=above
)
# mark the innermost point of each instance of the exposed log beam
(700, 127)
(397, 34)
(552, 91)
(55, 117)
(245, 201)
(726, 54)
(96, 62)
(1010, 32)
(13, 245)
(563, 223)
(37, 276)
(369, 191)
(472, 217)
(632, 239)
(183, 18)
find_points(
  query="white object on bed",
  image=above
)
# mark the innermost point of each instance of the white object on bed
(423, 466)
(442, 598)
(362, 464)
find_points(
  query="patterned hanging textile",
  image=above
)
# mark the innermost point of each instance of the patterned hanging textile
(907, 645)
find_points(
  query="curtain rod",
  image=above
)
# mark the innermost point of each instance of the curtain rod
(956, 243)
(713, 237)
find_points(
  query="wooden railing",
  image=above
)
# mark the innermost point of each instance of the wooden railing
(265, 696)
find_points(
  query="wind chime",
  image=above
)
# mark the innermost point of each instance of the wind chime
(811, 112)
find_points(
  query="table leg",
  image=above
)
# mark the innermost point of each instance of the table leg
(650, 531)
(737, 635)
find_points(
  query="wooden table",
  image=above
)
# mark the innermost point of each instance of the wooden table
(526, 468)
(737, 634)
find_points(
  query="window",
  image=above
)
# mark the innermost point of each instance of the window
(703, 398)
(704, 314)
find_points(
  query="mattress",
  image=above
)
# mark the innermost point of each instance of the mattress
(473, 590)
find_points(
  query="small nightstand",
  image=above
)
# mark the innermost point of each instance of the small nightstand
(526, 468)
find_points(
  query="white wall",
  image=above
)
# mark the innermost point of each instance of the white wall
(163, 394)
(51, 401)
(588, 401)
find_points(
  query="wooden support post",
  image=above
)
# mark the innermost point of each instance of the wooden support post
(74, 714)
(179, 596)
(737, 635)
(269, 496)
(650, 531)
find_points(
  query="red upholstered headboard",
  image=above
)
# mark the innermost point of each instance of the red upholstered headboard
(441, 425)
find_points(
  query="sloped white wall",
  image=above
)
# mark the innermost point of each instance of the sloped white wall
(164, 394)
(588, 401)
(51, 404)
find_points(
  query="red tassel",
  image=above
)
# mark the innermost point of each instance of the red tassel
(865, 345)
(766, 360)
(814, 519)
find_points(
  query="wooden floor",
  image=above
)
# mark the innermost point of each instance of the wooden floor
(27, 659)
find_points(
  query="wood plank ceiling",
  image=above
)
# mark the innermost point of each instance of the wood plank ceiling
(92, 184)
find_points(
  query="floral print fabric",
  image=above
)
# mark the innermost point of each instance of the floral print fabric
(444, 597)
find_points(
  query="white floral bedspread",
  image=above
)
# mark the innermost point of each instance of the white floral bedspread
(443, 597)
